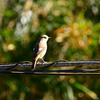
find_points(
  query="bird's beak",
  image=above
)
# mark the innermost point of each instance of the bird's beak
(49, 37)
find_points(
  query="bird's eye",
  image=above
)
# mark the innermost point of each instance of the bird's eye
(44, 37)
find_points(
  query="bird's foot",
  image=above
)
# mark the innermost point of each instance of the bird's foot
(44, 62)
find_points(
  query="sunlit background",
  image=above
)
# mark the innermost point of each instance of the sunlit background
(74, 26)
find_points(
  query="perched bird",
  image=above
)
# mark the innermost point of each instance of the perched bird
(39, 50)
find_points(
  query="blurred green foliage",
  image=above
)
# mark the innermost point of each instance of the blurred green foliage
(74, 26)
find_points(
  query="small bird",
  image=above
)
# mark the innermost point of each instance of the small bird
(39, 50)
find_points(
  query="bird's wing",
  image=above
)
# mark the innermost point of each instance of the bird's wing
(38, 51)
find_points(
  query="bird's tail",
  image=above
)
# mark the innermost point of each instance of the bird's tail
(34, 64)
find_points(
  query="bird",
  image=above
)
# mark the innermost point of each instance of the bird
(39, 50)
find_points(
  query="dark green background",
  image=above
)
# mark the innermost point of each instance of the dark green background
(74, 26)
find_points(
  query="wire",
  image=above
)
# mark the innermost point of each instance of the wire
(54, 72)
(6, 68)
